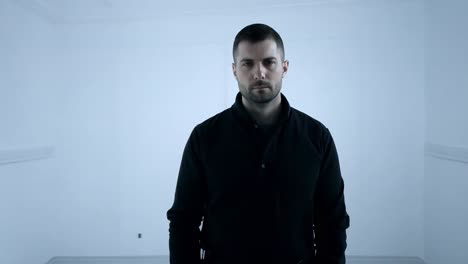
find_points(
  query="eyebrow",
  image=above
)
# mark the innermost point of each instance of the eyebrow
(246, 60)
(267, 58)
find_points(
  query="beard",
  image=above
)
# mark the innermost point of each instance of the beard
(260, 92)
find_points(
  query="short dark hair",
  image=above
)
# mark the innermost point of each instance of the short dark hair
(255, 33)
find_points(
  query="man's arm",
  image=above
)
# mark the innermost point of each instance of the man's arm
(186, 212)
(330, 217)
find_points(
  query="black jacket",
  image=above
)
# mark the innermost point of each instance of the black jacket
(264, 197)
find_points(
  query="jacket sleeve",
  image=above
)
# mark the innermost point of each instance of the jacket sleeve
(330, 217)
(186, 212)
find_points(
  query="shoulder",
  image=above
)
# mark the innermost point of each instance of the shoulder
(215, 120)
(212, 124)
(314, 130)
(307, 122)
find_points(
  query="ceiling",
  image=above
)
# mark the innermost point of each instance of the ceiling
(89, 11)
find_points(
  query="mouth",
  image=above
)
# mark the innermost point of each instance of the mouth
(260, 87)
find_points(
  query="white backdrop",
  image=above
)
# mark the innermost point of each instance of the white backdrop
(119, 99)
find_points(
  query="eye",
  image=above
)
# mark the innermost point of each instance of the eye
(270, 62)
(247, 64)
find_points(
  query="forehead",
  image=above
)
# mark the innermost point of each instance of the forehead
(258, 50)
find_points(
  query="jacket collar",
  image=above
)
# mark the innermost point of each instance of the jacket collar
(239, 110)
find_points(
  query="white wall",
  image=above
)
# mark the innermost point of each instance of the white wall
(134, 93)
(445, 211)
(347, 71)
(129, 93)
(28, 108)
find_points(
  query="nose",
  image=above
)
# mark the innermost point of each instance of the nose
(259, 72)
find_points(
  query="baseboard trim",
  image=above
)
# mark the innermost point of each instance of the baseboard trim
(26, 154)
(165, 260)
(110, 260)
(458, 154)
(383, 260)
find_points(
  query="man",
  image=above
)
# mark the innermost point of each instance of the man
(263, 176)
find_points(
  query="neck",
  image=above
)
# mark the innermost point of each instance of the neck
(264, 114)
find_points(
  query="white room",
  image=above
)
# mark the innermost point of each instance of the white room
(99, 97)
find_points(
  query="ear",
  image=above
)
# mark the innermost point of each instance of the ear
(285, 68)
(234, 72)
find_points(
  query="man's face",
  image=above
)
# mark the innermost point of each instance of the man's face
(259, 70)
